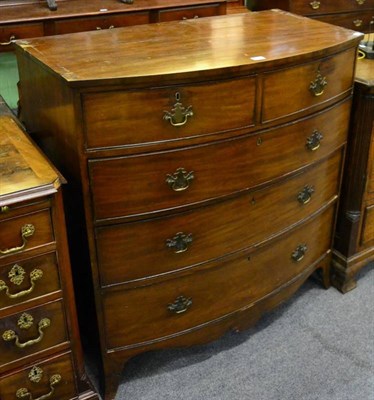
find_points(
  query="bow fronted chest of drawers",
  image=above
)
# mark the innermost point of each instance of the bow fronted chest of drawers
(207, 156)
(40, 351)
(351, 14)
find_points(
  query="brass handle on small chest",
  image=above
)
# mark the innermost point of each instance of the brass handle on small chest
(26, 231)
(180, 305)
(180, 180)
(4, 209)
(360, 2)
(305, 195)
(357, 22)
(179, 242)
(16, 276)
(178, 116)
(35, 376)
(315, 4)
(299, 253)
(317, 86)
(25, 322)
(313, 142)
(9, 42)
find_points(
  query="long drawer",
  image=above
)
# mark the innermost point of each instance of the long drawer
(158, 246)
(28, 279)
(359, 21)
(53, 378)
(143, 184)
(176, 305)
(31, 331)
(308, 7)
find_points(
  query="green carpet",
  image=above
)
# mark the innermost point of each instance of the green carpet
(9, 79)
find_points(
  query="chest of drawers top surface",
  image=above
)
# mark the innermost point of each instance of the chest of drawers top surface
(24, 171)
(191, 48)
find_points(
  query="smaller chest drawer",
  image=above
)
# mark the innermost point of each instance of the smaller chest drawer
(28, 279)
(167, 114)
(358, 21)
(306, 86)
(9, 33)
(53, 378)
(370, 178)
(97, 23)
(157, 246)
(25, 232)
(128, 186)
(26, 333)
(190, 12)
(176, 305)
(311, 7)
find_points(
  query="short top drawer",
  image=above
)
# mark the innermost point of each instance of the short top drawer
(9, 33)
(28, 279)
(306, 86)
(359, 21)
(307, 7)
(72, 25)
(134, 185)
(25, 232)
(125, 118)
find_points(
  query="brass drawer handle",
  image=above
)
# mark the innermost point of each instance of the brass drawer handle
(194, 17)
(317, 87)
(179, 114)
(360, 2)
(357, 22)
(315, 4)
(127, 1)
(305, 195)
(35, 376)
(299, 253)
(99, 28)
(16, 276)
(11, 40)
(179, 242)
(4, 209)
(313, 142)
(26, 231)
(25, 322)
(180, 305)
(180, 180)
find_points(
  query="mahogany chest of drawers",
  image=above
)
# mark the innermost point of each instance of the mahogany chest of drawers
(352, 14)
(208, 199)
(354, 241)
(40, 353)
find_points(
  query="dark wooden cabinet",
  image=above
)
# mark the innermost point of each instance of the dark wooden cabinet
(351, 14)
(354, 241)
(40, 348)
(207, 198)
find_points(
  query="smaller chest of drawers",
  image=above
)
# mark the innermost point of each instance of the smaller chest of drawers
(354, 238)
(351, 14)
(40, 351)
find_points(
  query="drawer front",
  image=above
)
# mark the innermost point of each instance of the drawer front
(25, 232)
(168, 114)
(147, 313)
(137, 185)
(368, 226)
(97, 23)
(8, 33)
(53, 379)
(356, 21)
(31, 331)
(28, 279)
(189, 13)
(306, 86)
(310, 7)
(152, 247)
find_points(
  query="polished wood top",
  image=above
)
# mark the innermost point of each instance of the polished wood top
(24, 172)
(240, 43)
(14, 12)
